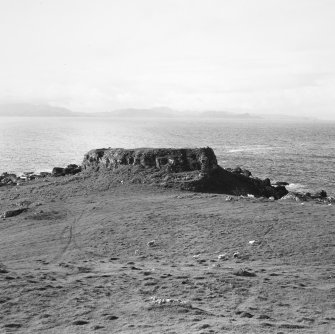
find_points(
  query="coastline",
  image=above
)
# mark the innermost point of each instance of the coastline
(269, 149)
(193, 169)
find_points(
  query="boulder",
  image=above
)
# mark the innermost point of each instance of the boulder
(45, 174)
(281, 183)
(58, 171)
(69, 170)
(72, 169)
(246, 172)
(239, 170)
(6, 178)
(12, 213)
(320, 194)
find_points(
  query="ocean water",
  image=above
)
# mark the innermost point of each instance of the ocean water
(302, 154)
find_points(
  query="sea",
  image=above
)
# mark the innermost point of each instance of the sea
(301, 153)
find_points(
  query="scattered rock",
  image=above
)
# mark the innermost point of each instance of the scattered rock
(13, 325)
(80, 322)
(289, 196)
(223, 256)
(12, 213)
(168, 301)
(236, 255)
(96, 327)
(58, 171)
(281, 183)
(72, 169)
(147, 273)
(69, 170)
(135, 268)
(244, 314)
(8, 179)
(151, 243)
(291, 326)
(244, 272)
(320, 194)
(201, 260)
(239, 170)
(112, 317)
(263, 317)
(45, 174)
(269, 324)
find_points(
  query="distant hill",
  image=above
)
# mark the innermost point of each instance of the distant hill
(224, 114)
(44, 110)
(36, 110)
(160, 112)
(32, 110)
(163, 112)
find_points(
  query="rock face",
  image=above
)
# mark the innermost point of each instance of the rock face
(189, 169)
(173, 160)
(226, 182)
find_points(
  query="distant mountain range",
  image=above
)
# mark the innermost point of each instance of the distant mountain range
(160, 112)
(224, 114)
(41, 110)
(32, 110)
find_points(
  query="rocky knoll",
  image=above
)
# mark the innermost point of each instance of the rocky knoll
(172, 160)
(190, 169)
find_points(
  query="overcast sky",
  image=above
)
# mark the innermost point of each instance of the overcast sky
(275, 56)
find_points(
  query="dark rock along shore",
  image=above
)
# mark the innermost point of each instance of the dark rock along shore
(190, 169)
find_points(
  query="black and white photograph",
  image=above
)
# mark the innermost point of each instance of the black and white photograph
(167, 166)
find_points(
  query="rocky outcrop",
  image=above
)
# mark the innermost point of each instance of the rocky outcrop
(226, 182)
(189, 169)
(69, 170)
(194, 169)
(169, 159)
(7, 179)
(319, 196)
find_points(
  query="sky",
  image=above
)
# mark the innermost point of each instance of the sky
(268, 56)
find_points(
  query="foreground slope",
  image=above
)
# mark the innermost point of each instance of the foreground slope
(94, 255)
